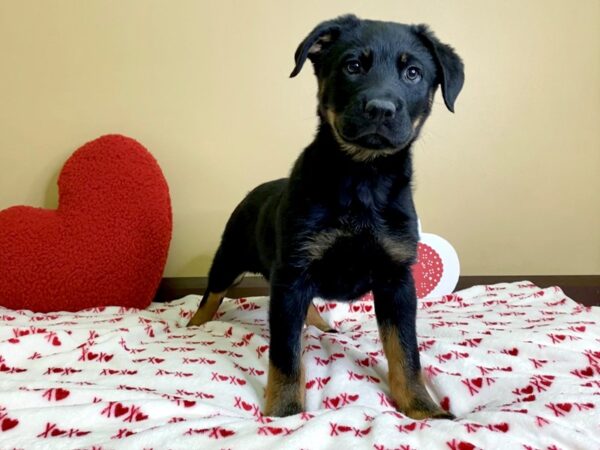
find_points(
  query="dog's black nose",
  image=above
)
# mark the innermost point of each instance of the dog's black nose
(377, 109)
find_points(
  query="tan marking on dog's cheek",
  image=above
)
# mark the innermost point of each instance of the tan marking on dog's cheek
(418, 121)
(283, 391)
(207, 311)
(330, 114)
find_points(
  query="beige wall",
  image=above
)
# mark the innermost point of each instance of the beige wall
(512, 179)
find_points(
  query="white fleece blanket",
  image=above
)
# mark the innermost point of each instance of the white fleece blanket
(519, 366)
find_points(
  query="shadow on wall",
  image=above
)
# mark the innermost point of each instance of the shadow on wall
(55, 165)
(51, 197)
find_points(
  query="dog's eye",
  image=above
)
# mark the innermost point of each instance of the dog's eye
(353, 67)
(413, 74)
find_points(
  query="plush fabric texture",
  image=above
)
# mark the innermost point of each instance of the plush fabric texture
(518, 365)
(107, 242)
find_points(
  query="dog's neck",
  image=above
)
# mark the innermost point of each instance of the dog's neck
(359, 190)
(331, 154)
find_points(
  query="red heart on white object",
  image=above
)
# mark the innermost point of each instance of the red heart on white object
(437, 268)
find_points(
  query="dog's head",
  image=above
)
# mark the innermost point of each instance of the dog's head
(377, 81)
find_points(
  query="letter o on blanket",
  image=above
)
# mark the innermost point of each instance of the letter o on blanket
(107, 242)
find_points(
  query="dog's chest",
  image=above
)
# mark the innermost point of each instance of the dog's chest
(363, 224)
(343, 264)
(370, 246)
(366, 231)
(362, 204)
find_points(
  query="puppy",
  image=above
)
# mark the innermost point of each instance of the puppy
(344, 222)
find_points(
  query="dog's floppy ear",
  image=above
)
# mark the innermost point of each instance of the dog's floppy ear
(319, 39)
(448, 62)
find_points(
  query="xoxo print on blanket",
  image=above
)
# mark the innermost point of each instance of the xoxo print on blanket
(518, 365)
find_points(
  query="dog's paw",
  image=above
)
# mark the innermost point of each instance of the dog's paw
(427, 413)
(284, 409)
(441, 414)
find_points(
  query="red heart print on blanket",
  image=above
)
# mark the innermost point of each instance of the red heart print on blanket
(8, 424)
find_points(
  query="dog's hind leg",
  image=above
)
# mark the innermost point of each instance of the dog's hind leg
(224, 273)
(208, 307)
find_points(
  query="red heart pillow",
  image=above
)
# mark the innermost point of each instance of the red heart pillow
(107, 242)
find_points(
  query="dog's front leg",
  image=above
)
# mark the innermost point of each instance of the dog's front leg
(396, 311)
(290, 298)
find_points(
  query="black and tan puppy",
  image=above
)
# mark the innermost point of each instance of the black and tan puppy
(344, 222)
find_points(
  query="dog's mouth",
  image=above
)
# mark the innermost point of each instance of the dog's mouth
(371, 141)
(366, 142)
(374, 138)
(377, 138)
(366, 147)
